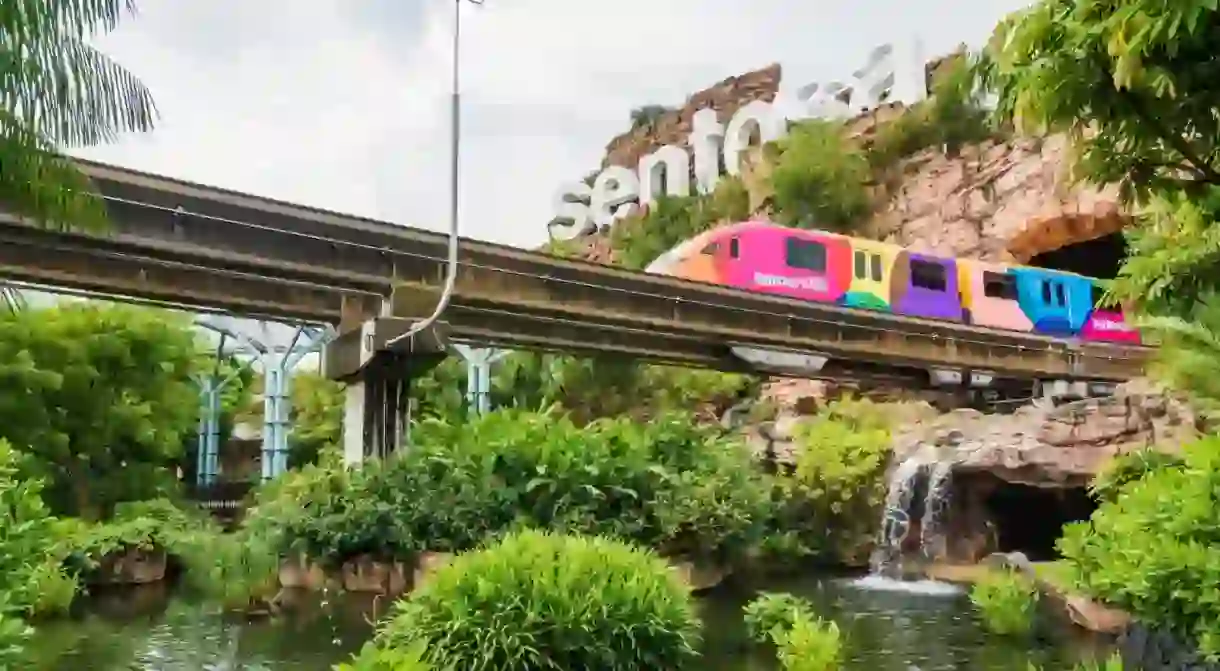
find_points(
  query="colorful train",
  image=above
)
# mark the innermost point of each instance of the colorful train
(841, 270)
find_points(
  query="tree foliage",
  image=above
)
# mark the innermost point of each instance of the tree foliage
(820, 178)
(1133, 84)
(57, 91)
(1155, 550)
(101, 399)
(587, 388)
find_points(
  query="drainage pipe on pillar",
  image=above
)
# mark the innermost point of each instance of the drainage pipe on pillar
(455, 137)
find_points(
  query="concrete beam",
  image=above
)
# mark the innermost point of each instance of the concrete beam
(727, 317)
(91, 270)
(347, 356)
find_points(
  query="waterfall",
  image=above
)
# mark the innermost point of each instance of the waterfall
(935, 510)
(896, 518)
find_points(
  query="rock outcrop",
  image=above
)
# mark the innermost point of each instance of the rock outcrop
(674, 126)
(997, 201)
(1045, 446)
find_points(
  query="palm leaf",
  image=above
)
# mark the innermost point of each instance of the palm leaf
(55, 91)
(1189, 356)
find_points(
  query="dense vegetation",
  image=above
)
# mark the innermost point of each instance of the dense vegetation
(1131, 83)
(568, 499)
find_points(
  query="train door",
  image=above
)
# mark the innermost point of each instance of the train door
(1046, 298)
(926, 286)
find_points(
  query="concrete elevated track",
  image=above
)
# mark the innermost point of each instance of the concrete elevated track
(200, 246)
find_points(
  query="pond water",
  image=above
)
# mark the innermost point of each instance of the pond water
(888, 627)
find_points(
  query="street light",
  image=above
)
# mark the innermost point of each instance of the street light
(455, 135)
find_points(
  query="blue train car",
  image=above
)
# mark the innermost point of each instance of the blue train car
(1057, 303)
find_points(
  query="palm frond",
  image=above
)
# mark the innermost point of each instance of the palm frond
(42, 186)
(1189, 356)
(62, 87)
(57, 91)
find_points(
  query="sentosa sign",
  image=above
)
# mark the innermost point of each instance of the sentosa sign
(581, 207)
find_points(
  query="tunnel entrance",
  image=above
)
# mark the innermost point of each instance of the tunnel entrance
(1100, 257)
(1030, 519)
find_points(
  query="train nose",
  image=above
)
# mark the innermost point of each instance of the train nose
(664, 264)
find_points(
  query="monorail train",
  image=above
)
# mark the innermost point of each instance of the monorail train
(837, 269)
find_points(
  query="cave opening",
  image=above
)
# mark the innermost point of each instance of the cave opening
(1030, 519)
(1100, 257)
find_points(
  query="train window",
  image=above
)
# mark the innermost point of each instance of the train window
(877, 268)
(806, 254)
(1059, 294)
(711, 249)
(928, 275)
(1046, 292)
(734, 248)
(861, 265)
(999, 285)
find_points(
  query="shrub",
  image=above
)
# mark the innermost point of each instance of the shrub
(33, 546)
(831, 503)
(1006, 601)
(804, 642)
(1128, 468)
(14, 635)
(770, 612)
(538, 600)
(810, 644)
(1155, 550)
(952, 116)
(669, 484)
(820, 178)
(374, 658)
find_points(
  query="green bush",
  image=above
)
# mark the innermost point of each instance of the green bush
(770, 612)
(101, 400)
(820, 178)
(34, 546)
(811, 644)
(538, 600)
(669, 484)
(1006, 600)
(1155, 550)
(830, 505)
(952, 116)
(1129, 467)
(804, 642)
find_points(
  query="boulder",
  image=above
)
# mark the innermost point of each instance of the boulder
(300, 573)
(366, 574)
(132, 566)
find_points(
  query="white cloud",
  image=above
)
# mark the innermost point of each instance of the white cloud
(342, 104)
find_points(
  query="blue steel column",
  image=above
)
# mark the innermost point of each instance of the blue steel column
(478, 374)
(212, 462)
(277, 402)
(201, 439)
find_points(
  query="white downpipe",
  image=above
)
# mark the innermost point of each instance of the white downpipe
(455, 132)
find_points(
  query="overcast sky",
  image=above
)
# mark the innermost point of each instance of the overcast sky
(342, 104)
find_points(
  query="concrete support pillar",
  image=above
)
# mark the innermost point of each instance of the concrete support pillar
(353, 424)
(377, 408)
(478, 374)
